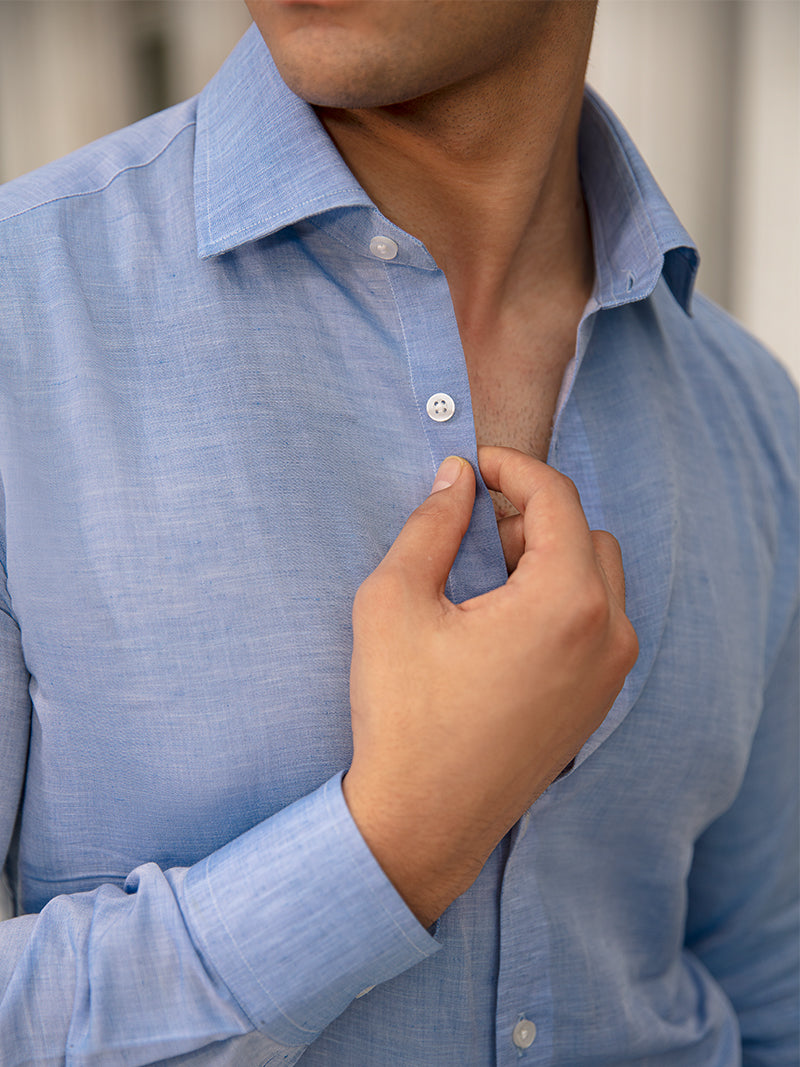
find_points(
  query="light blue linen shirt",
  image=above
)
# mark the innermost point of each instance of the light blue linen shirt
(212, 425)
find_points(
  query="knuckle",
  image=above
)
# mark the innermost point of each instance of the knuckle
(360, 604)
(378, 592)
(563, 484)
(433, 517)
(592, 610)
(605, 540)
(369, 596)
(626, 645)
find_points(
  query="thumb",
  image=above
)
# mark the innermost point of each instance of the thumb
(426, 547)
(609, 558)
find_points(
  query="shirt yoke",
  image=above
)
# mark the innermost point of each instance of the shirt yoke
(94, 167)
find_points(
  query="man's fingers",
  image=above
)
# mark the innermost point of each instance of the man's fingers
(547, 500)
(512, 538)
(551, 512)
(426, 547)
(609, 557)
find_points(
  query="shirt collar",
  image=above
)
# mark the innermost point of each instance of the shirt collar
(263, 161)
(637, 236)
(262, 158)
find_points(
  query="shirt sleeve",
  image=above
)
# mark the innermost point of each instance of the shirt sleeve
(275, 933)
(743, 919)
(247, 955)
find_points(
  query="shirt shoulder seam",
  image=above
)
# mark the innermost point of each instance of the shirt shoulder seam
(100, 188)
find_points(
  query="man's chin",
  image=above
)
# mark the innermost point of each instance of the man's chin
(352, 85)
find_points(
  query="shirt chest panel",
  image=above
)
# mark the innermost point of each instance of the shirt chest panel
(184, 591)
(185, 604)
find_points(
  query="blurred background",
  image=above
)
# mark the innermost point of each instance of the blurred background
(710, 90)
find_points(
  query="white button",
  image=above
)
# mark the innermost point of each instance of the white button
(524, 1033)
(383, 247)
(440, 407)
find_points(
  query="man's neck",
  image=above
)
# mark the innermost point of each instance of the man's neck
(486, 176)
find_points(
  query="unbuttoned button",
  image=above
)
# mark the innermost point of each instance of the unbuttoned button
(383, 247)
(524, 1033)
(440, 407)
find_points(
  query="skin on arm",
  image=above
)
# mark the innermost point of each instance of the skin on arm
(464, 714)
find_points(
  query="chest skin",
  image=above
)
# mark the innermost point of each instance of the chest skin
(515, 377)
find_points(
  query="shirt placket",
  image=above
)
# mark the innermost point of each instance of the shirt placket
(524, 1019)
(440, 385)
(438, 375)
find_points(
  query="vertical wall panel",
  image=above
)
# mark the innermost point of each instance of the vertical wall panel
(710, 91)
(73, 70)
(202, 34)
(65, 77)
(666, 69)
(765, 221)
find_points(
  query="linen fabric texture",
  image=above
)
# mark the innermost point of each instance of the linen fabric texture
(212, 426)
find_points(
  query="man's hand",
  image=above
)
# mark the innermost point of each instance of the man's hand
(463, 714)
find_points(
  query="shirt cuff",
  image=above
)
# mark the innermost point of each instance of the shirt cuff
(297, 917)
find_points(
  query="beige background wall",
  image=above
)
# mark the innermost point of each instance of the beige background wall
(710, 89)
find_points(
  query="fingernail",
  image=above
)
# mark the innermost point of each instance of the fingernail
(447, 473)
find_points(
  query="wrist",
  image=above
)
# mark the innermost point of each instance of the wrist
(427, 861)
